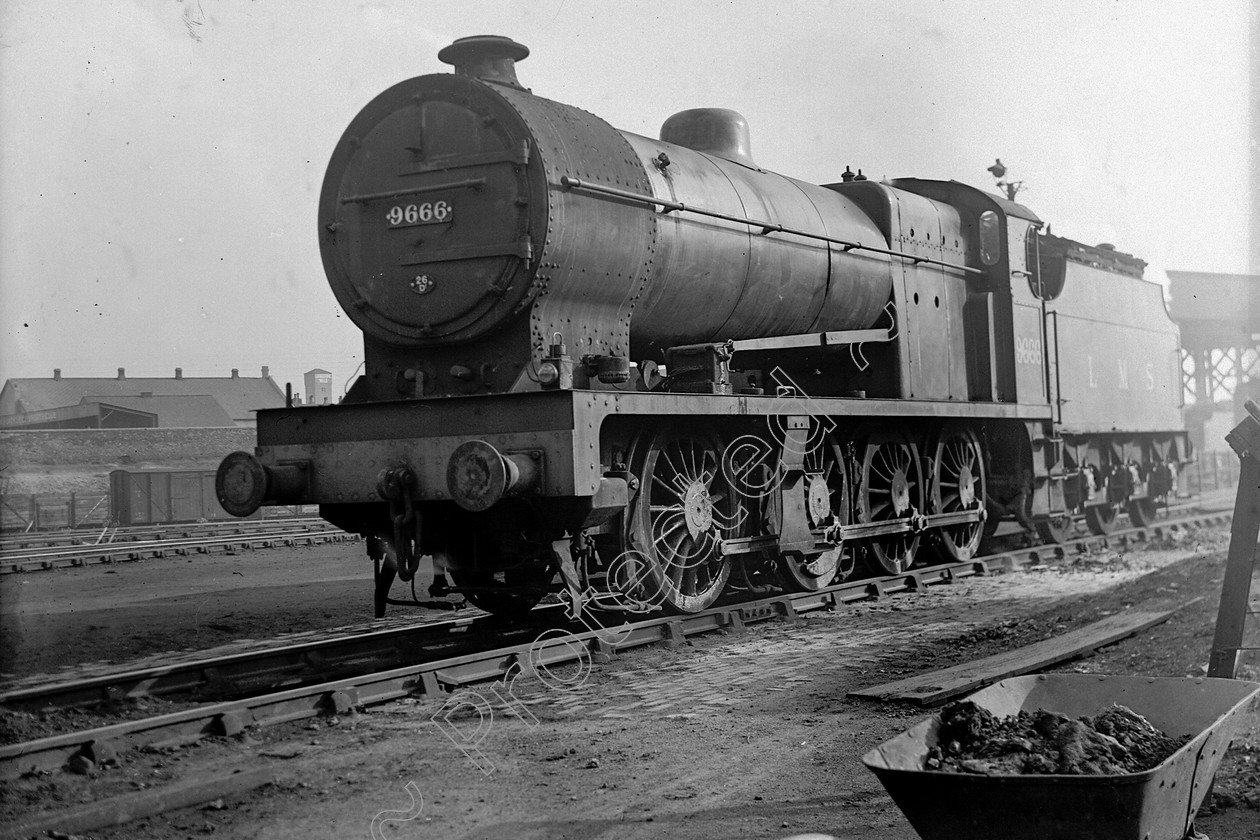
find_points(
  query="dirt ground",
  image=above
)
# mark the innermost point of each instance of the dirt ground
(62, 617)
(727, 736)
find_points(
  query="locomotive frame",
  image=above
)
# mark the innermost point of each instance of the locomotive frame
(892, 366)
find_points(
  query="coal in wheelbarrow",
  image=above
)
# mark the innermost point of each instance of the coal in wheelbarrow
(1156, 804)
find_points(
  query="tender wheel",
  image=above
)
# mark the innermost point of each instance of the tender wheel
(1142, 512)
(511, 592)
(1054, 529)
(683, 510)
(502, 556)
(1101, 519)
(891, 488)
(826, 489)
(958, 484)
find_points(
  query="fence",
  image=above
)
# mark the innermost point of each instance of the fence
(43, 512)
(1210, 471)
(48, 511)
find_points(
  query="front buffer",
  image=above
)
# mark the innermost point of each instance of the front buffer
(482, 487)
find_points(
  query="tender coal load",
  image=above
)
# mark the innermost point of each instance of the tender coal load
(1118, 740)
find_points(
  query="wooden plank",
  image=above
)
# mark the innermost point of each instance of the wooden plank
(938, 686)
(1240, 567)
(124, 808)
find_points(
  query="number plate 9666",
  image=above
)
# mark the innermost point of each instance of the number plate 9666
(422, 213)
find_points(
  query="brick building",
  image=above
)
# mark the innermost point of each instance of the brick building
(137, 402)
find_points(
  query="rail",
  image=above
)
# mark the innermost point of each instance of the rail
(265, 535)
(108, 532)
(264, 668)
(436, 676)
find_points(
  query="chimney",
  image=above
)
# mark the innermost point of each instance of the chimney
(179, 373)
(122, 373)
(235, 373)
(56, 374)
(491, 58)
(266, 372)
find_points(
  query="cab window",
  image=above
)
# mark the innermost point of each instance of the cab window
(1047, 273)
(990, 238)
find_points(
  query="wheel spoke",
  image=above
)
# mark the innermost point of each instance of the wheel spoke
(668, 513)
(665, 531)
(660, 483)
(667, 541)
(681, 518)
(674, 470)
(884, 468)
(708, 467)
(676, 571)
(689, 461)
(958, 455)
(888, 481)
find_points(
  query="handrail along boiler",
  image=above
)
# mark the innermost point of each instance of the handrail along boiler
(825, 373)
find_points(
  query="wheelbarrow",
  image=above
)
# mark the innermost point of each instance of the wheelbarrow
(1157, 804)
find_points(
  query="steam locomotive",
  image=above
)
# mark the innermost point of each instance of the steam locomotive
(584, 345)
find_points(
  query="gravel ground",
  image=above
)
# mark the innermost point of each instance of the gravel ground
(726, 736)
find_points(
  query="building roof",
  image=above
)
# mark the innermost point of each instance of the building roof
(238, 396)
(83, 416)
(194, 411)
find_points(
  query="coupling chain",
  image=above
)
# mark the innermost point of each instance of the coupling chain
(396, 485)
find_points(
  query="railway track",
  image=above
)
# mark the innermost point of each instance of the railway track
(148, 542)
(46, 551)
(439, 664)
(153, 531)
(268, 668)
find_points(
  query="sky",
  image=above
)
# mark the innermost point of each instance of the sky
(161, 160)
